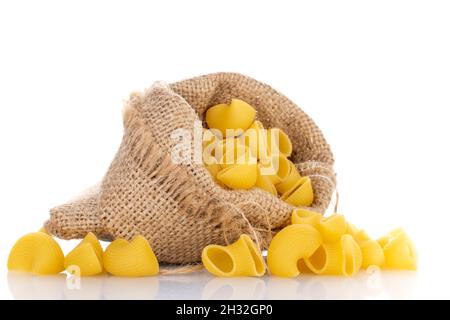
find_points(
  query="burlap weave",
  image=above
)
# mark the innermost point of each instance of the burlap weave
(178, 207)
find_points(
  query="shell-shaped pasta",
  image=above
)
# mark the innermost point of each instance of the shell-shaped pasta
(342, 257)
(288, 182)
(276, 168)
(37, 253)
(241, 258)
(399, 251)
(264, 183)
(372, 254)
(289, 246)
(303, 216)
(278, 141)
(93, 241)
(237, 116)
(301, 194)
(130, 259)
(87, 256)
(239, 176)
(255, 138)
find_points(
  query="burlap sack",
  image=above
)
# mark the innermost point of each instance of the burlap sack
(178, 207)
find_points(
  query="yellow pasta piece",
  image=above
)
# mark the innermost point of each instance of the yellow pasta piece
(342, 257)
(93, 241)
(276, 168)
(290, 180)
(301, 194)
(351, 229)
(84, 257)
(278, 141)
(87, 256)
(37, 253)
(289, 246)
(130, 259)
(371, 250)
(303, 216)
(241, 258)
(372, 254)
(255, 138)
(361, 236)
(399, 251)
(237, 116)
(239, 176)
(332, 228)
(263, 182)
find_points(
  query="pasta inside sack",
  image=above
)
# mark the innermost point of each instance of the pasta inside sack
(241, 154)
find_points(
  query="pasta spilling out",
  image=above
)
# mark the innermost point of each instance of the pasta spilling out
(241, 258)
(399, 251)
(130, 259)
(37, 253)
(285, 252)
(241, 154)
(339, 248)
(86, 256)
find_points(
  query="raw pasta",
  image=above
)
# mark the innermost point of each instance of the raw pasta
(342, 257)
(87, 256)
(37, 253)
(399, 251)
(301, 194)
(230, 155)
(238, 116)
(288, 246)
(241, 258)
(130, 259)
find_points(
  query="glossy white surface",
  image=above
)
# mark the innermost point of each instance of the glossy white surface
(386, 285)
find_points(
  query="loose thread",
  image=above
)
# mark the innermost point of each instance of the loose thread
(181, 270)
(336, 203)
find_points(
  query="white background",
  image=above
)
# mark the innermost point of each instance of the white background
(374, 75)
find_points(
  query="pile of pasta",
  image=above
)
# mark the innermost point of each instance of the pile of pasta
(39, 253)
(241, 154)
(313, 244)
